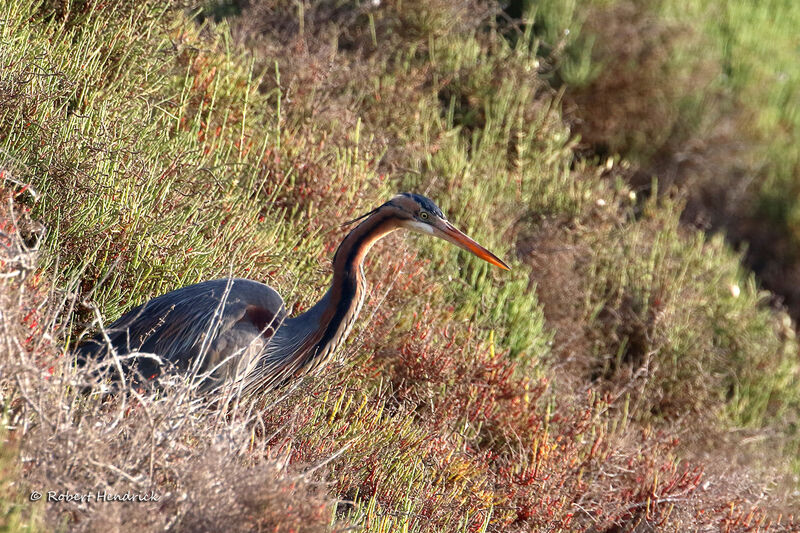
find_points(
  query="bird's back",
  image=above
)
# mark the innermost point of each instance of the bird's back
(218, 326)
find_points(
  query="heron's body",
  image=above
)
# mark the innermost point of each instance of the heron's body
(236, 330)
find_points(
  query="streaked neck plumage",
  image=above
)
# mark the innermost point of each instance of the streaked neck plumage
(310, 339)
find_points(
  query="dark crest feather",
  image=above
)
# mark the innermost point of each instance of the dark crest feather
(365, 215)
(423, 202)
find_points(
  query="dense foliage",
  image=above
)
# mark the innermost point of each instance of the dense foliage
(626, 374)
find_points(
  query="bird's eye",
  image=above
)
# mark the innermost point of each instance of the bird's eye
(423, 215)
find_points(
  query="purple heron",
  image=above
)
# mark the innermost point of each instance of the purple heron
(237, 330)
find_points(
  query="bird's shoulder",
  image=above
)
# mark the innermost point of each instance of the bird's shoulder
(189, 312)
(227, 294)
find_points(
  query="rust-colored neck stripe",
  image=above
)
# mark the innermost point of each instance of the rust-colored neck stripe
(348, 284)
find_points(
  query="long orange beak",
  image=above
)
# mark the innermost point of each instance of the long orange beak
(451, 234)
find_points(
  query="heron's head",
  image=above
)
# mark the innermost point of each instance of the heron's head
(417, 213)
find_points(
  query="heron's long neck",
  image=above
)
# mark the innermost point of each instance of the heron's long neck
(328, 322)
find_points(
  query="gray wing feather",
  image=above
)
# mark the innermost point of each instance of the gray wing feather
(206, 326)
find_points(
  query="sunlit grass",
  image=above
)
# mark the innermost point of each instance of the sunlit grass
(166, 152)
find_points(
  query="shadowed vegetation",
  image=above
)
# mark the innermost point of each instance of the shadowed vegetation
(704, 96)
(580, 391)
